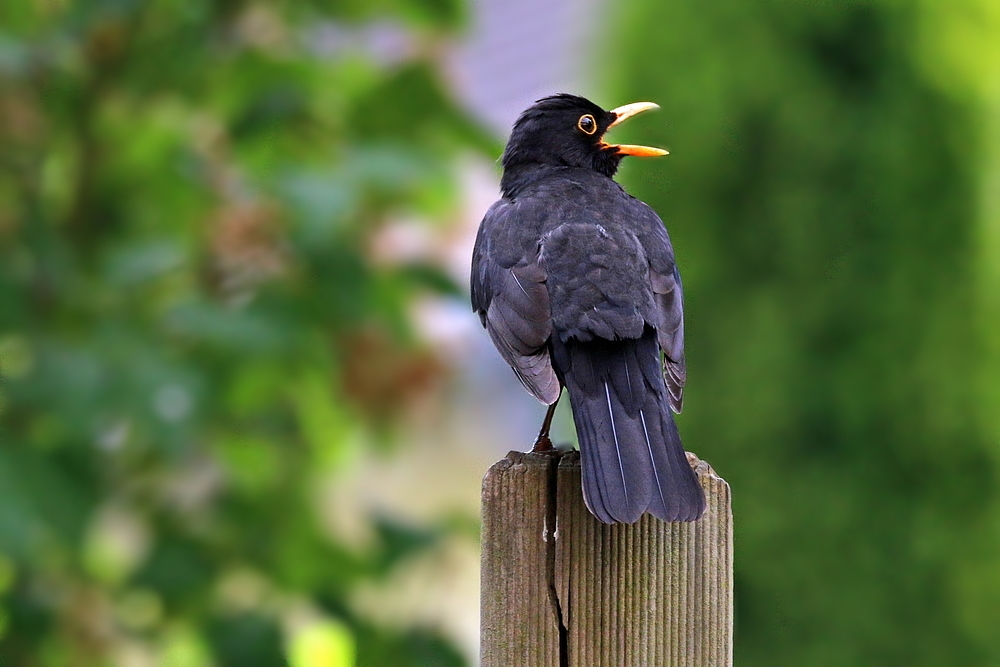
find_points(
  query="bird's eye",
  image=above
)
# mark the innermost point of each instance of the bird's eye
(587, 124)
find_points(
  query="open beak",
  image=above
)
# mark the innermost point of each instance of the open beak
(625, 112)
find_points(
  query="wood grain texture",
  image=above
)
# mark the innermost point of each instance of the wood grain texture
(561, 589)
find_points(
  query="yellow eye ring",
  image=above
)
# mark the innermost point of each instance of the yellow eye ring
(587, 124)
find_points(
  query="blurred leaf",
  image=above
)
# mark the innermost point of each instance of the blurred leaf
(248, 640)
(432, 277)
(130, 266)
(254, 464)
(414, 649)
(322, 201)
(323, 644)
(183, 648)
(8, 574)
(13, 55)
(425, 13)
(412, 104)
(227, 328)
(177, 569)
(324, 424)
(399, 541)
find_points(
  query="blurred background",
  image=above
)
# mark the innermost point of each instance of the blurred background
(244, 405)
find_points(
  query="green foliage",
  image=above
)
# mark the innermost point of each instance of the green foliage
(822, 194)
(187, 193)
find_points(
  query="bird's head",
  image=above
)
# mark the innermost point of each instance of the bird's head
(568, 130)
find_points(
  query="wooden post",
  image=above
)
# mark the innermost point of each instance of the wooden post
(561, 589)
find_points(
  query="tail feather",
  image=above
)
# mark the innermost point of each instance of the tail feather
(633, 460)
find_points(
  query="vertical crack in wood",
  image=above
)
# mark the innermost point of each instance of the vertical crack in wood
(562, 589)
(551, 522)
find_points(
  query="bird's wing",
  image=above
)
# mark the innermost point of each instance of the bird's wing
(668, 301)
(509, 293)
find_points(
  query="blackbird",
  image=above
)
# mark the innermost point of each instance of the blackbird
(576, 283)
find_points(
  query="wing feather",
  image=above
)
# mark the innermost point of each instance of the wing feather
(668, 300)
(510, 295)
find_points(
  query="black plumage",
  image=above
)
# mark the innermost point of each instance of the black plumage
(576, 283)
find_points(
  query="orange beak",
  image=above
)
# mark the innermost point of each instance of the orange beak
(625, 112)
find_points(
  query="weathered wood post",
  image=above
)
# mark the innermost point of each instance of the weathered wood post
(561, 589)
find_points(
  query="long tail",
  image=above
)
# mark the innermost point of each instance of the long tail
(633, 460)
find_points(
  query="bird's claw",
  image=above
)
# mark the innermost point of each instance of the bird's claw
(543, 444)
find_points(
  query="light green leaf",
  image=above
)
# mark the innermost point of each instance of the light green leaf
(324, 644)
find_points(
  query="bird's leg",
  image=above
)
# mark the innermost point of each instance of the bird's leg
(542, 442)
